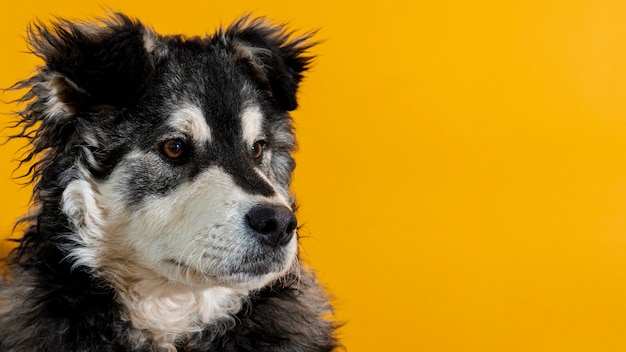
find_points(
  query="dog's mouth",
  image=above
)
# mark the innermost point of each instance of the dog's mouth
(262, 261)
(259, 269)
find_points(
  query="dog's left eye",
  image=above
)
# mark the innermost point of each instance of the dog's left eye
(173, 148)
(257, 149)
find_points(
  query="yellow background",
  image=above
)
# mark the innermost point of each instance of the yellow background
(462, 172)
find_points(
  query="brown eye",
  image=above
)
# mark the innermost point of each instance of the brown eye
(173, 148)
(257, 149)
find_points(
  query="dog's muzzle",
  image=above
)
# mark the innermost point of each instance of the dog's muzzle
(273, 224)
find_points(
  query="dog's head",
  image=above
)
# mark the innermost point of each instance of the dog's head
(166, 155)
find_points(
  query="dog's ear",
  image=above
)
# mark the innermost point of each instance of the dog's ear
(92, 64)
(278, 58)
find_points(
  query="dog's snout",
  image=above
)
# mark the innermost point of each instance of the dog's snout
(274, 225)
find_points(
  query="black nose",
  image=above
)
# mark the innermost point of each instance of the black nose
(274, 224)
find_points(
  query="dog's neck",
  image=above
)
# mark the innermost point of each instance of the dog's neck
(164, 311)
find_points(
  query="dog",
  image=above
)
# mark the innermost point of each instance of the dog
(162, 216)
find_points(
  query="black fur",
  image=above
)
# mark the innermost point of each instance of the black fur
(284, 65)
(100, 84)
(106, 67)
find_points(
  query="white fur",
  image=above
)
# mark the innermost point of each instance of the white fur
(251, 124)
(168, 310)
(80, 205)
(191, 121)
(149, 40)
(55, 108)
(254, 55)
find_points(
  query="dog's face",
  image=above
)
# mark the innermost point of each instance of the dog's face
(174, 154)
(200, 191)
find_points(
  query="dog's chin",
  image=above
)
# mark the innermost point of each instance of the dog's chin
(238, 274)
(249, 282)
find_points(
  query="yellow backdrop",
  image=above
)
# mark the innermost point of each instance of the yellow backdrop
(462, 173)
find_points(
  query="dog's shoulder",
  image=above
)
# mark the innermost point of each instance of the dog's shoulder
(48, 315)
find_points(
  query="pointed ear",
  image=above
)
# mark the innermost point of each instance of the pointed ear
(278, 59)
(95, 64)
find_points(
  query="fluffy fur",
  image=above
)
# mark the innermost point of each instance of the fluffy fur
(162, 215)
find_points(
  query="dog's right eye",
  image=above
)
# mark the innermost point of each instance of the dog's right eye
(257, 149)
(173, 148)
